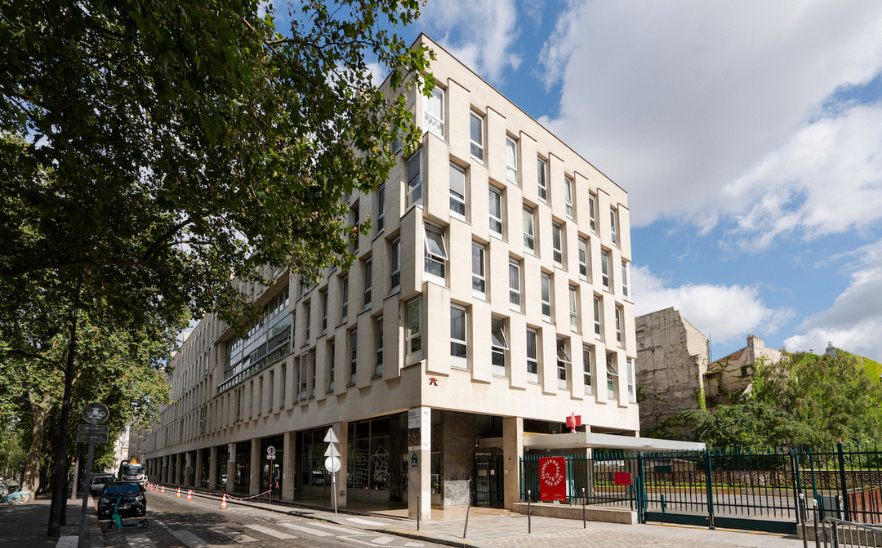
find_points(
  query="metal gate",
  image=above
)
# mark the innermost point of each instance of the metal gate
(488, 480)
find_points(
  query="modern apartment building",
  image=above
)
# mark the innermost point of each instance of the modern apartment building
(489, 302)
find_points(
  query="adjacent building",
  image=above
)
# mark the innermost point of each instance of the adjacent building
(489, 302)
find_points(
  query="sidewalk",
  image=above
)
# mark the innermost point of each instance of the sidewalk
(25, 525)
(493, 528)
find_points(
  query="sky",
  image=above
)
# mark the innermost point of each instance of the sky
(748, 135)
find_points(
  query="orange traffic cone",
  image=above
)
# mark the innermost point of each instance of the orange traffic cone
(224, 502)
(163, 490)
(190, 495)
(179, 493)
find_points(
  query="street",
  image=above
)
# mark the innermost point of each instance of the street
(201, 523)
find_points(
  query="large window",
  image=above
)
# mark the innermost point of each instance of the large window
(324, 302)
(435, 251)
(479, 275)
(435, 112)
(568, 196)
(574, 308)
(604, 268)
(514, 284)
(368, 282)
(546, 296)
(458, 334)
(395, 264)
(344, 299)
(511, 160)
(529, 234)
(414, 179)
(586, 370)
(476, 134)
(312, 358)
(597, 316)
(612, 376)
(563, 362)
(557, 243)
(498, 346)
(308, 321)
(542, 168)
(303, 380)
(332, 350)
(592, 213)
(619, 325)
(353, 355)
(583, 258)
(413, 341)
(381, 208)
(378, 331)
(532, 355)
(457, 191)
(632, 396)
(495, 212)
(624, 278)
(613, 224)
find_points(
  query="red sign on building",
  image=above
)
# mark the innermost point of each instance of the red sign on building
(553, 479)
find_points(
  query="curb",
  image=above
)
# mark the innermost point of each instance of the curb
(404, 533)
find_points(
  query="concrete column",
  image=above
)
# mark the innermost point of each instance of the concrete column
(163, 476)
(289, 472)
(512, 452)
(254, 473)
(179, 461)
(341, 429)
(420, 476)
(212, 468)
(197, 477)
(231, 468)
(188, 467)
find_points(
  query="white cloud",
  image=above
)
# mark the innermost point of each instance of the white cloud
(854, 322)
(706, 111)
(480, 33)
(727, 313)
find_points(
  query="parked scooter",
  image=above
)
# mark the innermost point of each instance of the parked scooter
(16, 497)
(116, 520)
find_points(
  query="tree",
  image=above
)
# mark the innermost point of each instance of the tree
(752, 424)
(153, 149)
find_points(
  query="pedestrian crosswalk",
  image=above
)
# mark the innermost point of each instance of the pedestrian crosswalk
(280, 529)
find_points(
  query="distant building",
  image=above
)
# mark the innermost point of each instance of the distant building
(121, 448)
(730, 376)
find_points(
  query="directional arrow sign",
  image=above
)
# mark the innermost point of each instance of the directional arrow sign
(86, 428)
(332, 451)
(330, 437)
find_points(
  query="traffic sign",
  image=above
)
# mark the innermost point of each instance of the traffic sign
(99, 428)
(333, 464)
(332, 451)
(97, 411)
(271, 457)
(331, 437)
(84, 437)
(271, 451)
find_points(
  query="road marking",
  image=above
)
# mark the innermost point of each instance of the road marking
(382, 540)
(139, 541)
(340, 528)
(307, 530)
(365, 521)
(235, 535)
(270, 532)
(67, 542)
(188, 538)
(415, 544)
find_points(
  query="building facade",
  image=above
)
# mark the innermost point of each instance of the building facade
(490, 300)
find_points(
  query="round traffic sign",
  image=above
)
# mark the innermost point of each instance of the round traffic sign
(97, 410)
(333, 464)
(270, 450)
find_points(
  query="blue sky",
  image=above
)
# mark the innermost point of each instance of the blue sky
(748, 135)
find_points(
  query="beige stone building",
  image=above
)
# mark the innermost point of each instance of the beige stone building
(489, 301)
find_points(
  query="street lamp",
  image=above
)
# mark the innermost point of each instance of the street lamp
(59, 485)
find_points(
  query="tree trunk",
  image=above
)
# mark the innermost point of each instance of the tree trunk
(39, 412)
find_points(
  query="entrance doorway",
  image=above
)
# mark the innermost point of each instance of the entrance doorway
(488, 480)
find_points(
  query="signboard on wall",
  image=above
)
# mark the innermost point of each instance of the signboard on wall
(553, 479)
(419, 425)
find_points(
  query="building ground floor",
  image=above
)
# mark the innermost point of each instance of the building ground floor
(420, 458)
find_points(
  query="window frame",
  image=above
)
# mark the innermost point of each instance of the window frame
(598, 317)
(353, 355)
(587, 369)
(568, 195)
(323, 301)
(378, 346)
(514, 293)
(574, 308)
(394, 265)
(529, 237)
(604, 269)
(542, 179)
(367, 284)
(495, 197)
(459, 347)
(532, 376)
(545, 280)
(344, 299)
(439, 96)
(411, 337)
(612, 376)
(563, 360)
(479, 278)
(618, 315)
(474, 145)
(381, 208)
(613, 225)
(557, 247)
(625, 280)
(632, 395)
(414, 182)
(433, 257)
(455, 196)
(514, 156)
(497, 335)
(592, 212)
(583, 258)
(332, 351)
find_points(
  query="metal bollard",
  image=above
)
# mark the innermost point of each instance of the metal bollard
(815, 517)
(584, 517)
(465, 529)
(418, 512)
(529, 512)
(801, 512)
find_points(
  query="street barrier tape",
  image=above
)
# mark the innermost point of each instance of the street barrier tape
(229, 496)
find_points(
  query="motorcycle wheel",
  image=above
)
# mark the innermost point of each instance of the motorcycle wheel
(143, 523)
(23, 499)
(109, 527)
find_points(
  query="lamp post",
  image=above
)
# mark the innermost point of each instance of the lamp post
(59, 485)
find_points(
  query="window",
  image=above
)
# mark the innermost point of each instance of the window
(592, 213)
(353, 355)
(619, 325)
(498, 346)
(604, 268)
(413, 341)
(435, 112)
(632, 397)
(332, 350)
(378, 364)
(597, 316)
(557, 244)
(586, 369)
(583, 258)
(308, 321)
(574, 309)
(395, 264)
(324, 302)
(479, 278)
(546, 296)
(414, 179)
(541, 175)
(612, 376)
(381, 208)
(529, 235)
(368, 282)
(568, 196)
(435, 251)
(613, 224)
(284, 373)
(304, 375)
(625, 279)
(344, 299)
(353, 222)
(563, 361)
(458, 344)
(511, 160)
(239, 404)
(514, 284)
(457, 191)
(532, 355)
(495, 212)
(476, 133)
(312, 359)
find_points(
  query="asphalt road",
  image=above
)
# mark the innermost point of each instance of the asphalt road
(175, 522)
